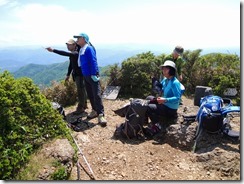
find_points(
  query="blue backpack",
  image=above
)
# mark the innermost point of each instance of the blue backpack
(213, 117)
(209, 115)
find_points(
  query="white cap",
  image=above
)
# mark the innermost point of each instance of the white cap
(168, 63)
(70, 42)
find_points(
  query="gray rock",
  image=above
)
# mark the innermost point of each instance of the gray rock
(61, 151)
(181, 135)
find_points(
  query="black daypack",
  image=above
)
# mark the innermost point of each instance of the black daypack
(134, 114)
(79, 125)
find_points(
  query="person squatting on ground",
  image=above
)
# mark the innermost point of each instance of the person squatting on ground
(89, 66)
(76, 73)
(168, 104)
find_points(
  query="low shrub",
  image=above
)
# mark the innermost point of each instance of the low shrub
(27, 121)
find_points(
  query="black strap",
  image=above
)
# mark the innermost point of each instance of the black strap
(189, 118)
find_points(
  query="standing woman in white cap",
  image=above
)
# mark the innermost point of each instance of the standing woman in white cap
(88, 63)
(168, 104)
(76, 73)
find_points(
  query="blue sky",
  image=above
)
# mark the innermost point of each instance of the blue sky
(190, 23)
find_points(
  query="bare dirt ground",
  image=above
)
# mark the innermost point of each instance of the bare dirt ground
(111, 159)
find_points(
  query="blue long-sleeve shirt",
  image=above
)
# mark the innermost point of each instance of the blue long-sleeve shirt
(172, 92)
(88, 62)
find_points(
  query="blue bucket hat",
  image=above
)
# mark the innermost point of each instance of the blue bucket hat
(85, 36)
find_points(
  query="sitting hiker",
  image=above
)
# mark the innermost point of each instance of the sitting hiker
(167, 105)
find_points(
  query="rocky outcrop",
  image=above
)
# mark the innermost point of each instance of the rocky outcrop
(61, 154)
(181, 135)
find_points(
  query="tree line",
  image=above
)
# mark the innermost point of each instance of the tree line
(216, 70)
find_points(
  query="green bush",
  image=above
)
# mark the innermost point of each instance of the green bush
(193, 71)
(60, 174)
(136, 79)
(27, 121)
(226, 73)
(114, 74)
(216, 70)
(65, 93)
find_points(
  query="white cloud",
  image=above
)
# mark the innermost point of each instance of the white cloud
(186, 24)
(45, 24)
(205, 26)
(3, 2)
(8, 3)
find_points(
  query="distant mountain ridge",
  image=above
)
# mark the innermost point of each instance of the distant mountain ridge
(44, 67)
(43, 75)
(13, 58)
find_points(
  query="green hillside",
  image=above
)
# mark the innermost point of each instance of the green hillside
(43, 74)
